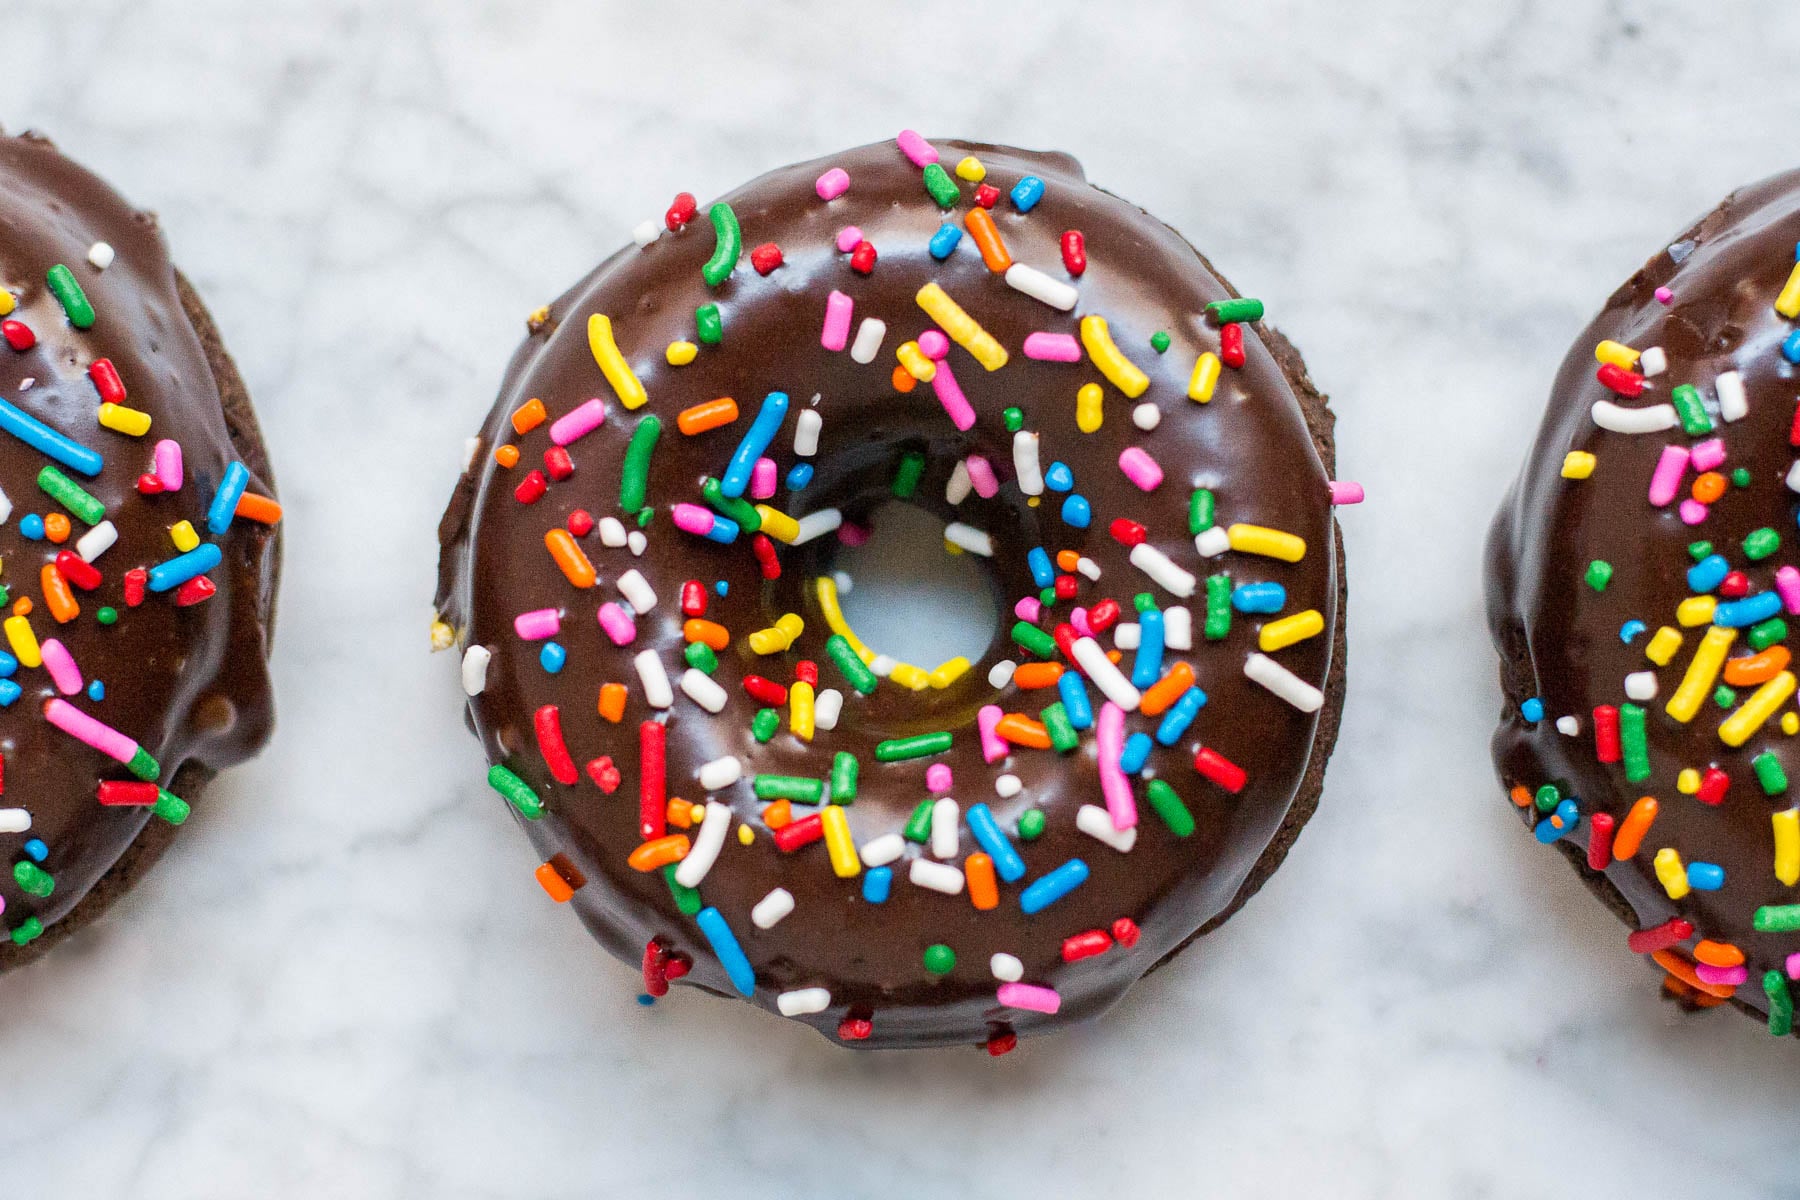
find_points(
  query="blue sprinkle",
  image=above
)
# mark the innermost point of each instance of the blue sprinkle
(756, 440)
(1708, 573)
(1532, 710)
(173, 572)
(32, 526)
(47, 441)
(1042, 573)
(1630, 630)
(944, 241)
(1146, 668)
(800, 476)
(1258, 597)
(1076, 512)
(96, 691)
(723, 587)
(1136, 753)
(1181, 714)
(37, 850)
(9, 691)
(1027, 192)
(1567, 814)
(1790, 347)
(225, 500)
(724, 530)
(645, 999)
(1749, 611)
(8, 664)
(877, 883)
(1705, 876)
(1048, 888)
(1007, 863)
(1059, 478)
(1075, 699)
(725, 946)
(553, 656)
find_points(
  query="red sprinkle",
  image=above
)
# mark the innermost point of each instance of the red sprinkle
(1066, 638)
(1231, 344)
(855, 1029)
(1220, 770)
(127, 791)
(653, 799)
(795, 834)
(106, 380)
(1127, 533)
(581, 522)
(987, 195)
(136, 581)
(78, 570)
(765, 690)
(548, 723)
(1713, 784)
(1600, 838)
(767, 561)
(1672, 932)
(765, 258)
(194, 591)
(558, 462)
(676, 965)
(1002, 1043)
(1617, 378)
(1065, 587)
(693, 599)
(656, 980)
(531, 489)
(149, 485)
(605, 775)
(1103, 614)
(1735, 586)
(18, 335)
(1794, 429)
(1074, 252)
(681, 211)
(1606, 734)
(862, 259)
(807, 671)
(1125, 932)
(1078, 946)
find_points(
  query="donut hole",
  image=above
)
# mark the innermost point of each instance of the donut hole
(911, 599)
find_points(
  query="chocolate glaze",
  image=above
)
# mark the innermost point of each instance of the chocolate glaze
(188, 683)
(1560, 641)
(1251, 445)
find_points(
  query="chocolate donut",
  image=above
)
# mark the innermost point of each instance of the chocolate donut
(726, 783)
(139, 542)
(1641, 582)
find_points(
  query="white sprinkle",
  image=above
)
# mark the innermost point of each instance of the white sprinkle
(879, 852)
(645, 232)
(944, 815)
(818, 524)
(101, 255)
(707, 843)
(969, 538)
(471, 447)
(1006, 968)
(1641, 686)
(1001, 673)
(720, 773)
(960, 485)
(612, 533)
(1283, 682)
(1162, 569)
(845, 584)
(1093, 820)
(868, 340)
(1653, 362)
(1212, 542)
(1088, 567)
(91, 545)
(1008, 786)
(636, 589)
(1039, 286)
(14, 820)
(657, 692)
(638, 542)
(937, 876)
(1793, 476)
(1653, 419)
(803, 1001)
(1025, 463)
(771, 908)
(1146, 416)
(1178, 628)
(827, 705)
(6, 511)
(1568, 726)
(882, 664)
(1113, 685)
(703, 689)
(1125, 635)
(474, 669)
(1733, 405)
(806, 432)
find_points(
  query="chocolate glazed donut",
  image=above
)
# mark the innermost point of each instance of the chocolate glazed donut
(867, 363)
(165, 651)
(1640, 590)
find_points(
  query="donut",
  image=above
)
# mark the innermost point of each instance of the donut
(1641, 586)
(731, 788)
(139, 543)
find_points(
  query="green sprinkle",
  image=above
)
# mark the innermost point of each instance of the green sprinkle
(1599, 574)
(708, 325)
(1741, 477)
(700, 656)
(843, 777)
(29, 930)
(644, 517)
(764, 724)
(1218, 607)
(939, 958)
(723, 262)
(906, 477)
(1781, 1004)
(170, 807)
(687, 899)
(1063, 737)
(1776, 918)
(636, 480)
(1761, 543)
(1014, 419)
(33, 878)
(1769, 773)
(918, 826)
(1047, 597)
(143, 766)
(1632, 741)
(940, 186)
(517, 792)
(1033, 639)
(1766, 633)
(853, 667)
(1699, 550)
(1169, 807)
(1724, 697)
(71, 495)
(788, 787)
(106, 616)
(735, 507)
(68, 293)
(921, 745)
(1547, 798)
(1686, 399)
(1200, 511)
(1242, 309)
(1159, 341)
(1031, 824)
(1143, 602)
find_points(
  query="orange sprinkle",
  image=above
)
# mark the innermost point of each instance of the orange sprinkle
(57, 596)
(1632, 829)
(987, 240)
(22, 606)
(659, 852)
(1021, 730)
(262, 509)
(529, 416)
(569, 556)
(984, 890)
(1683, 970)
(56, 528)
(507, 456)
(555, 885)
(1709, 487)
(778, 814)
(1037, 675)
(1114, 656)
(1677, 989)
(680, 812)
(612, 702)
(903, 380)
(1067, 560)
(1167, 690)
(1521, 796)
(1757, 668)
(711, 415)
(1718, 954)
(1707, 1001)
(712, 633)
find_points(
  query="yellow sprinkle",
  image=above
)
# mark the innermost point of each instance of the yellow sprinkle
(23, 641)
(746, 835)
(183, 535)
(1578, 464)
(952, 549)
(912, 678)
(1688, 781)
(1787, 845)
(826, 589)
(1088, 414)
(538, 317)
(778, 524)
(963, 329)
(442, 636)
(970, 168)
(1790, 723)
(1762, 704)
(1663, 645)
(1788, 303)
(800, 710)
(1702, 670)
(1205, 377)
(1119, 370)
(838, 842)
(120, 419)
(948, 672)
(917, 365)
(1279, 635)
(612, 364)
(1617, 353)
(779, 636)
(1271, 543)
(1670, 873)
(680, 354)
(7, 302)
(1696, 610)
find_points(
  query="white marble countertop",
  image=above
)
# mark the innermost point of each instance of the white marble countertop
(343, 980)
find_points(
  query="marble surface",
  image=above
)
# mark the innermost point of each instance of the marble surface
(343, 981)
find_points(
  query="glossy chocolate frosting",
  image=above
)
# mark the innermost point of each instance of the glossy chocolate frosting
(188, 682)
(1566, 644)
(1250, 445)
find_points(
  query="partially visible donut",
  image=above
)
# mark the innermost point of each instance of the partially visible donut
(728, 786)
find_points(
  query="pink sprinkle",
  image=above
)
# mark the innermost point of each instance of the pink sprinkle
(1345, 492)
(1052, 347)
(1140, 468)
(1079, 619)
(61, 665)
(938, 777)
(1029, 996)
(578, 423)
(1793, 965)
(993, 746)
(916, 148)
(1665, 481)
(1664, 295)
(1109, 739)
(692, 518)
(1787, 586)
(1692, 512)
(1027, 608)
(538, 624)
(847, 238)
(852, 535)
(981, 474)
(950, 395)
(1709, 454)
(838, 308)
(1731, 976)
(832, 184)
(934, 345)
(168, 465)
(620, 625)
(764, 479)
